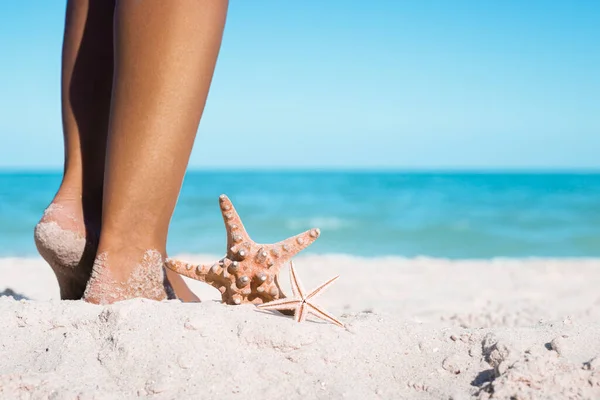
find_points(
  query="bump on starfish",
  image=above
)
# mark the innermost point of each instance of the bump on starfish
(302, 303)
(249, 272)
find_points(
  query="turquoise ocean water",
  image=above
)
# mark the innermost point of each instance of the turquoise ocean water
(452, 215)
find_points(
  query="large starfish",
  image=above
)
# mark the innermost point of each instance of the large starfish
(302, 303)
(249, 272)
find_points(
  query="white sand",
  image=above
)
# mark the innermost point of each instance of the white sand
(416, 329)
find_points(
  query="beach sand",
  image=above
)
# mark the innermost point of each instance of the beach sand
(415, 329)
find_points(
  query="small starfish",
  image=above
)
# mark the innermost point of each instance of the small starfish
(301, 303)
(249, 272)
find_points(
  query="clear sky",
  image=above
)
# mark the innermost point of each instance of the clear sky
(355, 83)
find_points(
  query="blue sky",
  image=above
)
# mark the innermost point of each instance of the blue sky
(361, 84)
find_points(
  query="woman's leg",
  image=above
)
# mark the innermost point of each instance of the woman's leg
(165, 53)
(68, 232)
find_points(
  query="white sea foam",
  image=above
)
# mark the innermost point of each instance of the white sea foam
(326, 223)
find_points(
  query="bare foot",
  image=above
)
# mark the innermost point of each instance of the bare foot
(67, 243)
(125, 276)
(181, 288)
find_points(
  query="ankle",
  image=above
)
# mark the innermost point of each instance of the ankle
(66, 202)
(122, 276)
(66, 213)
(122, 262)
(129, 241)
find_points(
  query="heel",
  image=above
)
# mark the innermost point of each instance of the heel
(69, 255)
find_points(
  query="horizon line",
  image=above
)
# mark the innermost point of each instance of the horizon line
(346, 169)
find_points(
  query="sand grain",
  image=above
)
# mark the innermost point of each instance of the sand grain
(418, 329)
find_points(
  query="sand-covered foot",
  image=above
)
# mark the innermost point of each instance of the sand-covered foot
(117, 278)
(65, 242)
(69, 245)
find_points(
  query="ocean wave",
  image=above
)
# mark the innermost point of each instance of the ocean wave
(328, 223)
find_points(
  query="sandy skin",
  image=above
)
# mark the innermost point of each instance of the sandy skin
(69, 245)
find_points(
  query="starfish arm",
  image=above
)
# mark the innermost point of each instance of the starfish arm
(302, 312)
(316, 311)
(288, 248)
(297, 288)
(236, 233)
(197, 272)
(281, 304)
(321, 288)
(249, 272)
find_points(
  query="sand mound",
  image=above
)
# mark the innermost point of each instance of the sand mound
(553, 371)
(416, 329)
(166, 350)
